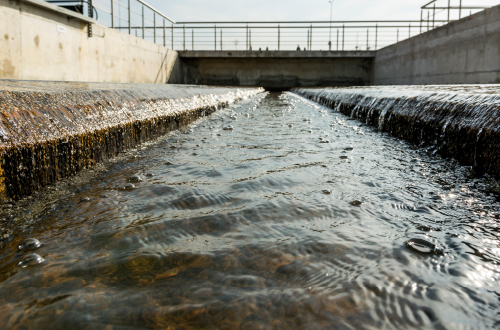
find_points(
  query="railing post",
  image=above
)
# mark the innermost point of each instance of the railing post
(192, 39)
(250, 38)
(154, 27)
(215, 37)
(337, 39)
(434, 16)
(460, 10)
(449, 8)
(221, 39)
(421, 19)
(184, 38)
(112, 14)
(172, 36)
(307, 45)
(247, 46)
(129, 19)
(428, 20)
(376, 36)
(397, 36)
(143, 27)
(343, 36)
(311, 38)
(409, 31)
(164, 34)
(367, 39)
(278, 37)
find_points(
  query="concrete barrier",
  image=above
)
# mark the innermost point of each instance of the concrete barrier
(49, 131)
(462, 52)
(274, 69)
(40, 41)
(462, 122)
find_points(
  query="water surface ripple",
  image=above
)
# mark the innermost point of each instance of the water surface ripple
(296, 218)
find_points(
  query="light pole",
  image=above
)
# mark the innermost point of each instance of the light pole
(330, 38)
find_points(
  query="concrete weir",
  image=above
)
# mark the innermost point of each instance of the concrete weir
(52, 130)
(459, 121)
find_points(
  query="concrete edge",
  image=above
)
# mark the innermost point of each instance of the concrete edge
(51, 7)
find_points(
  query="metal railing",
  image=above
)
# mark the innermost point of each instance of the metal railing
(140, 19)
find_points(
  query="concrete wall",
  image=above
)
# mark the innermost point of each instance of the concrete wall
(463, 52)
(40, 43)
(274, 69)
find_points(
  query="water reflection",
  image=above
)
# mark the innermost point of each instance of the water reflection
(244, 235)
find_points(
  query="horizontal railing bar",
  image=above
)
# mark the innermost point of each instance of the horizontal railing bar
(103, 10)
(153, 9)
(432, 8)
(285, 27)
(302, 22)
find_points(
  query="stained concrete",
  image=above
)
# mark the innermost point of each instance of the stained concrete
(46, 43)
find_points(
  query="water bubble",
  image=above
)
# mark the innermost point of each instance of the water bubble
(195, 154)
(228, 128)
(169, 163)
(104, 196)
(343, 157)
(325, 141)
(423, 244)
(348, 148)
(29, 244)
(198, 145)
(424, 228)
(324, 165)
(85, 199)
(290, 125)
(356, 202)
(135, 178)
(327, 192)
(150, 175)
(31, 260)
(128, 186)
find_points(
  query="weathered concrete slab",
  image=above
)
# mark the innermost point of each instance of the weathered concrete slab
(52, 130)
(462, 122)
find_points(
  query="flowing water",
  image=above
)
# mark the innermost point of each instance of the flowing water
(275, 213)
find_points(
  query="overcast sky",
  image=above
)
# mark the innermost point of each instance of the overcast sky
(273, 10)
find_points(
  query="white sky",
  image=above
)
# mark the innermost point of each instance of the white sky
(275, 10)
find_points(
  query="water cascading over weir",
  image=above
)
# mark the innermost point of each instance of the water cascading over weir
(462, 122)
(50, 131)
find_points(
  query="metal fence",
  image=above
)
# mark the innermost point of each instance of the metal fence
(143, 21)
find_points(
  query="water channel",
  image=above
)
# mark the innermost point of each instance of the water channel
(274, 213)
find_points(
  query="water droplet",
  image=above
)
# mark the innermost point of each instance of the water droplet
(85, 199)
(228, 128)
(324, 165)
(325, 141)
(327, 192)
(169, 163)
(343, 157)
(30, 244)
(423, 244)
(31, 260)
(290, 125)
(348, 148)
(135, 178)
(356, 202)
(173, 147)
